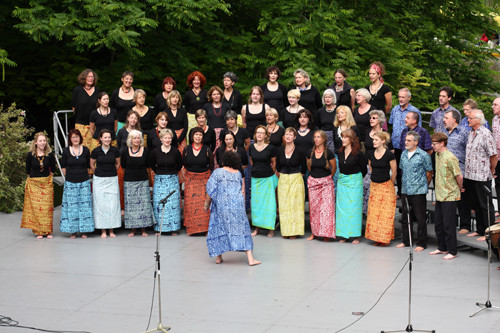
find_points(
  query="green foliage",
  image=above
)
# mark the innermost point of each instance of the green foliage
(5, 61)
(13, 150)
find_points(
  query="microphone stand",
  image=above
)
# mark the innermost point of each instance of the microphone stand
(157, 274)
(487, 304)
(409, 328)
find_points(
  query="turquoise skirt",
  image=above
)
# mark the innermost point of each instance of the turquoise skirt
(349, 205)
(263, 202)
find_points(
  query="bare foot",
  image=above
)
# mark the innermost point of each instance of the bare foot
(103, 235)
(39, 237)
(112, 235)
(292, 237)
(123, 212)
(73, 236)
(132, 234)
(219, 260)
(449, 257)
(463, 231)
(84, 236)
(310, 237)
(255, 232)
(419, 249)
(434, 203)
(355, 241)
(473, 234)
(174, 234)
(383, 244)
(157, 233)
(498, 268)
(400, 245)
(144, 234)
(270, 233)
(481, 239)
(437, 251)
(376, 244)
(254, 262)
(50, 236)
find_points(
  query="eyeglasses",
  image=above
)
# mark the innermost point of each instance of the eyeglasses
(374, 118)
(435, 143)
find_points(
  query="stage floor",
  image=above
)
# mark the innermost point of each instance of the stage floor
(105, 285)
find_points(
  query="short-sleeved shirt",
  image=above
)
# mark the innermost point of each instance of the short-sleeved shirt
(381, 167)
(165, 163)
(447, 169)
(105, 161)
(465, 124)
(378, 99)
(414, 177)
(480, 146)
(425, 142)
(215, 116)
(295, 164)
(276, 139)
(241, 136)
(122, 106)
(304, 142)
(83, 104)
(397, 120)
(76, 166)
(437, 118)
(362, 122)
(325, 118)
(261, 161)
(135, 166)
(319, 166)
(40, 166)
(457, 142)
(103, 122)
(496, 133)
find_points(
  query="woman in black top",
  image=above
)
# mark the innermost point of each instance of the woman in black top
(253, 114)
(291, 167)
(160, 102)
(232, 97)
(38, 210)
(145, 112)
(325, 117)
(122, 99)
(83, 102)
(196, 96)
(103, 117)
(199, 162)
(135, 163)
(166, 162)
(240, 133)
(362, 114)
(352, 167)
(177, 118)
(162, 122)
(309, 94)
(132, 123)
(208, 132)
(216, 111)
(264, 182)
(322, 166)
(304, 123)
(104, 162)
(381, 95)
(343, 120)
(275, 93)
(229, 143)
(292, 109)
(76, 208)
(382, 202)
(274, 130)
(344, 92)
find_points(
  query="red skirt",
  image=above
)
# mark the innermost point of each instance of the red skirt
(195, 217)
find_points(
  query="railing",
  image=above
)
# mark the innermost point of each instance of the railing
(60, 131)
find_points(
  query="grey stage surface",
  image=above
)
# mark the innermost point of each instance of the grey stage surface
(105, 285)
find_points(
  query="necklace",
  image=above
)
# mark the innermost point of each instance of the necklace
(196, 149)
(296, 109)
(303, 131)
(215, 112)
(101, 113)
(89, 88)
(271, 131)
(165, 149)
(289, 151)
(339, 88)
(41, 161)
(376, 90)
(126, 91)
(319, 151)
(328, 110)
(73, 152)
(135, 152)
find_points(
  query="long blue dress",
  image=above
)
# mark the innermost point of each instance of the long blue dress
(228, 229)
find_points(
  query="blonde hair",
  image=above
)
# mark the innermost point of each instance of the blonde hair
(47, 150)
(294, 93)
(349, 119)
(133, 134)
(274, 113)
(166, 131)
(266, 139)
(172, 94)
(384, 136)
(138, 92)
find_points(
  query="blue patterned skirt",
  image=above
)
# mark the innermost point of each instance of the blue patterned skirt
(76, 208)
(138, 208)
(163, 185)
(106, 198)
(349, 205)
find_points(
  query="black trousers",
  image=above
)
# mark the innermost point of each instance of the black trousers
(464, 212)
(397, 154)
(445, 220)
(479, 198)
(418, 205)
(497, 184)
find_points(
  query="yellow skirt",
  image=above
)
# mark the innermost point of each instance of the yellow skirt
(291, 198)
(381, 211)
(85, 132)
(38, 208)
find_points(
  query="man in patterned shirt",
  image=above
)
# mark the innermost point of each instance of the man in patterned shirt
(411, 121)
(470, 105)
(480, 163)
(416, 167)
(496, 135)
(457, 142)
(445, 94)
(448, 188)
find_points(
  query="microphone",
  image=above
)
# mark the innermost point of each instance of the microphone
(164, 200)
(407, 206)
(486, 189)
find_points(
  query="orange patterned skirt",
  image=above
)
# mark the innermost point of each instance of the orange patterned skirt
(181, 147)
(195, 217)
(87, 136)
(121, 176)
(38, 208)
(381, 211)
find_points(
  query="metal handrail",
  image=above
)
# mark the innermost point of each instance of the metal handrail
(59, 129)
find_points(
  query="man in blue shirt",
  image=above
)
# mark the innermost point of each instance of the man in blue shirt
(445, 95)
(416, 166)
(397, 120)
(469, 105)
(411, 121)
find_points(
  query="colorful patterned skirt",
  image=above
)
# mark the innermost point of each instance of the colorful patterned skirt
(86, 134)
(195, 217)
(38, 210)
(121, 175)
(106, 199)
(76, 209)
(138, 208)
(349, 205)
(164, 185)
(381, 211)
(263, 202)
(291, 199)
(322, 206)
(181, 147)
